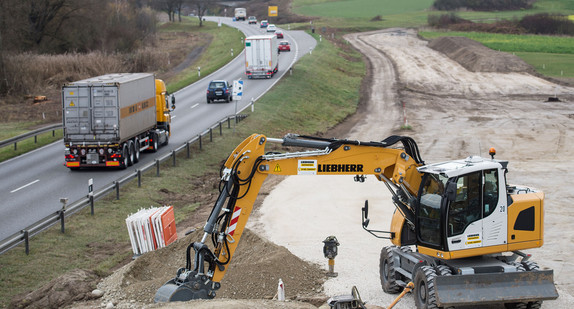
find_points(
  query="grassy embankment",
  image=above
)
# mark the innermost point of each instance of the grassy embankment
(549, 55)
(309, 101)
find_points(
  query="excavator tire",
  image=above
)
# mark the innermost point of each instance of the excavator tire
(387, 270)
(424, 291)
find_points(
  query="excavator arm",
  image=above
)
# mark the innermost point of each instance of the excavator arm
(244, 172)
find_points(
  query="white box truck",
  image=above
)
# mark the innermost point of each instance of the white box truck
(108, 120)
(261, 56)
(240, 14)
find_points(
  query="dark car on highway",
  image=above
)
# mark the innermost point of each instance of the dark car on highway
(219, 90)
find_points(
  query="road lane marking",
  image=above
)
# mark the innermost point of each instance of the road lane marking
(24, 186)
(196, 105)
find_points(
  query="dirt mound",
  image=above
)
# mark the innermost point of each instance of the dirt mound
(258, 264)
(74, 286)
(476, 57)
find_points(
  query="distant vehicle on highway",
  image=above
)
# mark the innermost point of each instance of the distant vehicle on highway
(261, 60)
(219, 90)
(263, 24)
(279, 34)
(252, 20)
(240, 14)
(284, 46)
(271, 28)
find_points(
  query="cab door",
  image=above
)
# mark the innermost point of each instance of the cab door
(464, 213)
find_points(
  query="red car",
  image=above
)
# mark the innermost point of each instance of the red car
(284, 46)
(279, 34)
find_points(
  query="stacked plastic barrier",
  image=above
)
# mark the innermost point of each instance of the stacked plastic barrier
(151, 228)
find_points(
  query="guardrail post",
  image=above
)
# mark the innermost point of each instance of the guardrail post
(27, 241)
(117, 184)
(53, 133)
(15, 146)
(139, 178)
(220, 129)
(228, 122)
(200, 144)
(188, 149)
(173, 156)
(35, 139)
(156, 167)
(210, 135)
(91, 195)
(62, 214)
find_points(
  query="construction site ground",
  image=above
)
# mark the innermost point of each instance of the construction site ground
(459, 99)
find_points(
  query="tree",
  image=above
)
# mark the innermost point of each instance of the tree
(201, 6)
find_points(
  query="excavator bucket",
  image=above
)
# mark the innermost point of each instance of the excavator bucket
(525, 286)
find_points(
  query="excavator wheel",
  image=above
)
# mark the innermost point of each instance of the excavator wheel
(424, 292)
(387, 271)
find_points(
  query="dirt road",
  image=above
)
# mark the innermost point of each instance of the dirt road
(453, 113)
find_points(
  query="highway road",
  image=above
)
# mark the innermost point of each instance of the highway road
(32, 184)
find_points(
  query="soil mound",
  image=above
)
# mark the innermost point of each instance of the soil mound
(73, 286)
(476, 57)
(254, 274)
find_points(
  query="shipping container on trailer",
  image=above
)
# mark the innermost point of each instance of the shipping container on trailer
(109, 119)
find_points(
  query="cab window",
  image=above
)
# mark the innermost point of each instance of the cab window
(490, 191)
(467, 206)
(429, 208)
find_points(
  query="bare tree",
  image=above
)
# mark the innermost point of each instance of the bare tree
(201, 6)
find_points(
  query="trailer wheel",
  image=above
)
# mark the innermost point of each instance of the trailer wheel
(137, 151)
(125, 153)
(387, 270)
(130, 153)
(425, 294)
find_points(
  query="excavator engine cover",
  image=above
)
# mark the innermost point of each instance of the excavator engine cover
(187, 285)
(525, 286)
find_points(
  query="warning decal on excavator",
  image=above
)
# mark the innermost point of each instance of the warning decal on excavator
(473, 240)
(277, 168)
(307, 167)
(233, 222)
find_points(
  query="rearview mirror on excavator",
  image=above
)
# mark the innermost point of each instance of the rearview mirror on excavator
(366, 214)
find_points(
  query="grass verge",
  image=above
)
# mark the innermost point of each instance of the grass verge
(217, 54)
(315, 103)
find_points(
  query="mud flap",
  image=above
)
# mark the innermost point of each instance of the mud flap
(526, 286)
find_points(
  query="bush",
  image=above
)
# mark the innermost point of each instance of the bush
(482, 5)
(547, 24)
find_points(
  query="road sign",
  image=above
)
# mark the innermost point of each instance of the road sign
(272, 11)
(237, 89)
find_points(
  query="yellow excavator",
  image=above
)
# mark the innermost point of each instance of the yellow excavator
(465, 223)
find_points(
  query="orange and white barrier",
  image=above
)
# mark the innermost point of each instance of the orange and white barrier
(151, 228)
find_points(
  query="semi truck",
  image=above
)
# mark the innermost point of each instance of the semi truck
(261, 56)
(240, 14)
(110, 119)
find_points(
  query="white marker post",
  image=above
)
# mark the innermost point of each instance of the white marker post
(237, 95)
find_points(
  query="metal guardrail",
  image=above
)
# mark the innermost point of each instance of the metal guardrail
(14, 140)
(69, 209)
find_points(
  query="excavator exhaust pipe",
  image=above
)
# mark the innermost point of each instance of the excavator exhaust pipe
(526, 286)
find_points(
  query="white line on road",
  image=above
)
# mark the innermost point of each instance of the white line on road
(196, 105)
(24, 186)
